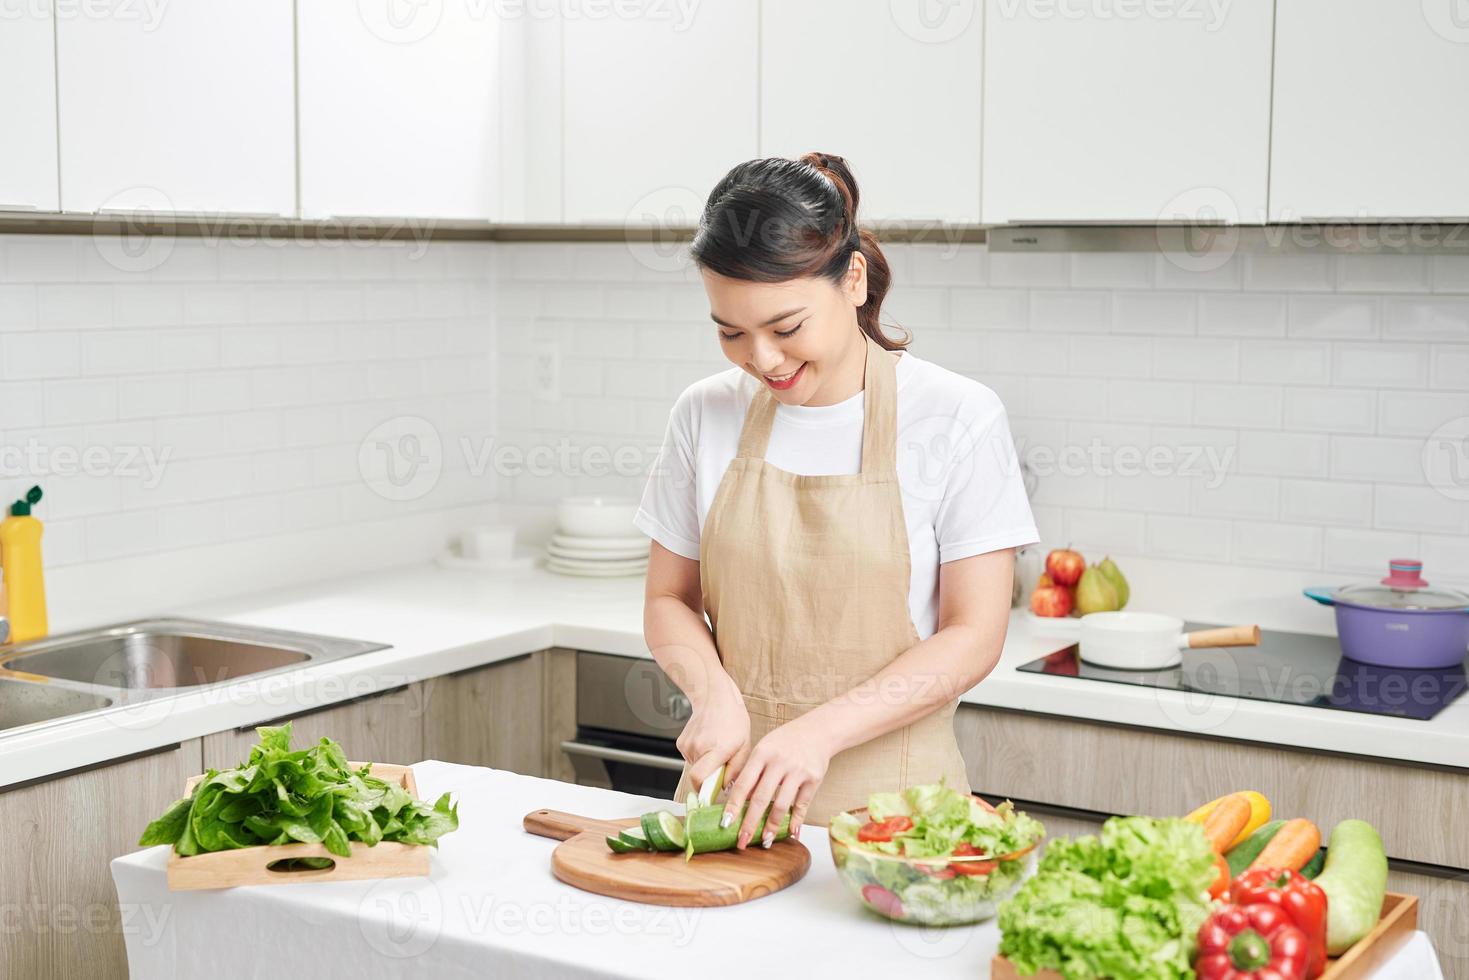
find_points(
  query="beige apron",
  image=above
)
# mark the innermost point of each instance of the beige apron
(805, 581)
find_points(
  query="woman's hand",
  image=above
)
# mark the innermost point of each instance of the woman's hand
(782, 772)
(717, 733)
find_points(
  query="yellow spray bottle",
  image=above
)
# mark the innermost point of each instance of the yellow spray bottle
(20, 557)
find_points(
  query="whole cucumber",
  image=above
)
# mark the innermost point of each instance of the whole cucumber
(1240, 856)
(1313, 867)
(1355, 881)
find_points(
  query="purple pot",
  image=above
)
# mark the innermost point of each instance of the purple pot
(1400, 622)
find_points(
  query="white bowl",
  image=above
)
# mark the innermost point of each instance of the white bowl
(597, 517)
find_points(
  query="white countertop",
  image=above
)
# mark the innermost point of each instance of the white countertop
(439, 621)
(491, 907)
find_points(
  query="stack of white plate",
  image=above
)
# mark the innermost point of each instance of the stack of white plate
(596, 539)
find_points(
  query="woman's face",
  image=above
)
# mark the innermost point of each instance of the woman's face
(798, 338)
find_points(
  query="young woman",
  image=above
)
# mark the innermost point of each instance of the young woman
(844, 513)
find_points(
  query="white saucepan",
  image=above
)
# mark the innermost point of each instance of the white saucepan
(1151, 641)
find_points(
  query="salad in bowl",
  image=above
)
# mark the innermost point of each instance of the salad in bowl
(933, 855)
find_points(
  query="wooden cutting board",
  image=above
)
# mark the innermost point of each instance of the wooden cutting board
(717, 878)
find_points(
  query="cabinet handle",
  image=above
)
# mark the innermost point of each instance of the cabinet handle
(610, 754)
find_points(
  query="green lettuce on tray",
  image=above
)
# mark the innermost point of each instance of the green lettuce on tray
(1127, 903)
(308, 796)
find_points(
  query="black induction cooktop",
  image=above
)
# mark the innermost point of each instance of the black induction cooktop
(1287, 668)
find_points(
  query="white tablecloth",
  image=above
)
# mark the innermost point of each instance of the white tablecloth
(491, 908)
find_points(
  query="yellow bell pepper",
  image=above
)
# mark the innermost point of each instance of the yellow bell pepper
(1259, 814)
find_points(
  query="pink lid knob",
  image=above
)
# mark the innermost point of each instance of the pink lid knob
(1404, 574)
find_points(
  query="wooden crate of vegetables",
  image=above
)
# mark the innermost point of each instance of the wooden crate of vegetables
(305, 815)
(1276, 906)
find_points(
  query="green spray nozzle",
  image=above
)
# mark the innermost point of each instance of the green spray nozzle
(22, 508)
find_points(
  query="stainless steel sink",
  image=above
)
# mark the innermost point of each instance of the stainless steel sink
(63, 676)
(23, 703)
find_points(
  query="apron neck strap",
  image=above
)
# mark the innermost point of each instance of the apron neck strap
(879, 415)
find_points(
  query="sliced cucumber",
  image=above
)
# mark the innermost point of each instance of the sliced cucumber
(705, 834)
(636, 837)
(663, 830)
(620, 846)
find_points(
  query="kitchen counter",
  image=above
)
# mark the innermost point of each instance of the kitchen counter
(440, 621)
(491, 907)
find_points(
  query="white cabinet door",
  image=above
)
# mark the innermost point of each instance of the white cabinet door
(660, 102)
(1126, 112)
(1370, 115)
(399, 108)
(28, 108)
(178, 106)
(898, 95)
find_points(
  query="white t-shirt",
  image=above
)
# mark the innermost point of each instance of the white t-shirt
(961, 485)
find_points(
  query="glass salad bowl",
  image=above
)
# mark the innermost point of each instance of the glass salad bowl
(932, 891)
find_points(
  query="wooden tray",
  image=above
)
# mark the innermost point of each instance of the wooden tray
(251, 865)
(716, 878)
(1399, 920)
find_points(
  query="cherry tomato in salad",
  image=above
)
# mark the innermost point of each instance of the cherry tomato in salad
(941, 872)
(883, 900)
(966, 849)
(883, 830)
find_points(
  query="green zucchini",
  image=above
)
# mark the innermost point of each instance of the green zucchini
(1355, 881)
(704, 833)
(1313, 866)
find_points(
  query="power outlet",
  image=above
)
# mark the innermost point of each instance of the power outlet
(546, 371)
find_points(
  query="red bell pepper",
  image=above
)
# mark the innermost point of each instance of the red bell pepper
(1300, 898)
(1250, 942)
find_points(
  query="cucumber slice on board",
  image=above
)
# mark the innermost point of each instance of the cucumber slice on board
(663, 830)
(635, 837)
(620, 846)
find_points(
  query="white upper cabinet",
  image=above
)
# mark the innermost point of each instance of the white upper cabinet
(185, 106)
(1371, 111)
(1127, 112)
(399, 108)
(28, 109)
(660, 102)
(894, 91)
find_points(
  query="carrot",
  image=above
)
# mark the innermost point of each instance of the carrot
(1292, 847)
(1221, 877)
(1228, 819)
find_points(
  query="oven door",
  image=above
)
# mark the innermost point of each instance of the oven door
(628, 714)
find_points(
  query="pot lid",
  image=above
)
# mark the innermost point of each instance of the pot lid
(1404, 588)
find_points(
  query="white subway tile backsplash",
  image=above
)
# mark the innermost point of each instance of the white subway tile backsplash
(1380, 365)
(1305, 271)
(74, 305)
(136, 304)
(1283, 454)
(1416, 413)
(1450, 273)
(1105, 531)
(1303, 362)
(944, 265)
(913, 306)
(1446, 557)
(1165, 314)
(1196, 359)
(1367, 552)
(1238, 406)
(1029, 269)
(1333, 317)
(1426, 318)
(1070, 311)
(20, 404)
(1238, 496)
(1187, 537)
(25, 356)
(76, 402)
(1329, 502)
(1330, 409)
(1377, 459)
(1111, 357)
(989, 309)
(1185, 272)
(1449, 366)
(1112, 270)
(1269, 543)
(1242, 315)
(1148, 401)
(1382, 273)
(18, 306)
(1419, 509)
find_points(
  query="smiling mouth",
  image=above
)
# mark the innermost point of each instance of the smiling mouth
(784, 380)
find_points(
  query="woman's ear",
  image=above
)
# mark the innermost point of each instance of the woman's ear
(854, 286)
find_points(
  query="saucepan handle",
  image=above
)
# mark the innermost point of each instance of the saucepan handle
(1321, 593)
(1223, 636)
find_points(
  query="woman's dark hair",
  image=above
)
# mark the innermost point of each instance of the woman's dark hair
(775, 219)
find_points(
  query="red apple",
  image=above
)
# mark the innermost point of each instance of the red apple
(1065, 566)
(1054, 601)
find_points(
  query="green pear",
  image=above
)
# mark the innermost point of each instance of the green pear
(1095, 592)
(1109, 568)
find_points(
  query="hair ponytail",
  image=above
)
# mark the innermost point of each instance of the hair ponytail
(775, 219)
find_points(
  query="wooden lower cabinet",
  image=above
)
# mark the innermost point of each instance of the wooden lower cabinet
(61, 918)
(386, 727)
(490, 716)
(1091, 766)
